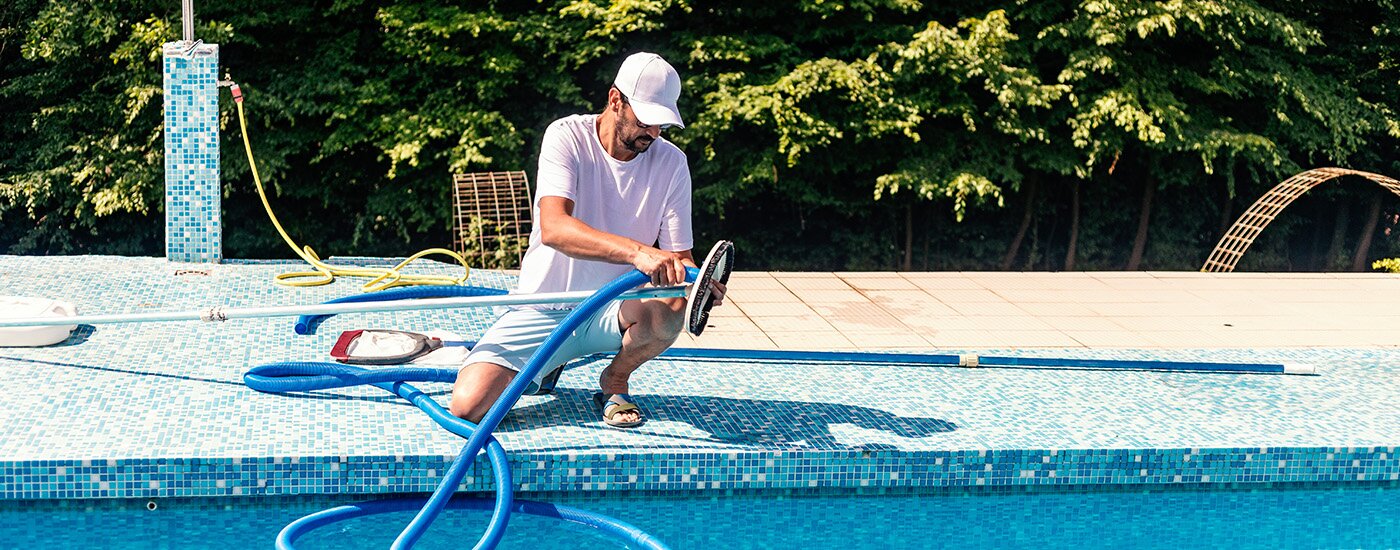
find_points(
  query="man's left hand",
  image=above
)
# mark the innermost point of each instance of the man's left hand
(717, 289)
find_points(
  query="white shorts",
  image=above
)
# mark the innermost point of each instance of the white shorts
(513, 339)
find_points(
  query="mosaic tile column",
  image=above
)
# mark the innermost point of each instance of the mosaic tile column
(192, 190)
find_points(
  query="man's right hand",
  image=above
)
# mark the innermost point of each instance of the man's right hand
(665, 268)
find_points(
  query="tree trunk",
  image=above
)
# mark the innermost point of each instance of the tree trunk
(1314, 248)
(1010, 257)
(909, 237)
(928, 236)
(1339, 235)
(1149, 187)
(1227, 216)
(1363, 248)
(1072, 249)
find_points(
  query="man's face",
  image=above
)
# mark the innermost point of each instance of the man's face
(634, 135)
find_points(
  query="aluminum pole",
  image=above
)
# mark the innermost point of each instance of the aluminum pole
(188, 8)
(220, 313)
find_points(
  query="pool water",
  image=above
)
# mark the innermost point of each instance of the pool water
(1293, 516)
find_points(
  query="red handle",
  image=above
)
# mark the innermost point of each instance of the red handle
(341, 350)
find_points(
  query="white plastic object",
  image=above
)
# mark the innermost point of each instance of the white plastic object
(378, 343)
(1299, 368)
(20, 307)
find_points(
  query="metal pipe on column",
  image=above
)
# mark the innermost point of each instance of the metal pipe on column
(188, 8)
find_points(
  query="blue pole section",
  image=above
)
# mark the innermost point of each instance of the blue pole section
(989, 361)
(306, 325)
(812, 356)
(192, 190)
(1054, 362)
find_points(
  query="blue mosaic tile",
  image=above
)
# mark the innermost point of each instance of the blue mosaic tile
(159, 410)
(192, 190)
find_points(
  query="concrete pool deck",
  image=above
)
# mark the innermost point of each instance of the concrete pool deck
(1058, 310)
(159, 409)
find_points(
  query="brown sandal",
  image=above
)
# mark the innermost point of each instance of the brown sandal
(615, 404)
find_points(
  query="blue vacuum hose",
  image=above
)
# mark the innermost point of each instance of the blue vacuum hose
(306, 376)
(619, 530)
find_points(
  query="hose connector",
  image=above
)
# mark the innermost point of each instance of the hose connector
(232, 86)
(213, 314)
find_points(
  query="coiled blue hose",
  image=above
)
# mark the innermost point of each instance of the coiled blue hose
(617, 529)
(304, 376)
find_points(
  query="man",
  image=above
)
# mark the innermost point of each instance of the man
(612, 195)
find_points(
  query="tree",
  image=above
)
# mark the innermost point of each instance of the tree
(83, 167)
(822, 134)
(917, 108)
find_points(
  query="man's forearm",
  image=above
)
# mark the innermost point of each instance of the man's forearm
(578, 240)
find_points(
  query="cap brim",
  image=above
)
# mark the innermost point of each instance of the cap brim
(653, 114)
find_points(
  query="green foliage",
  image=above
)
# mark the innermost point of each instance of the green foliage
(59, 172)
(814, 127)
(1224, 81)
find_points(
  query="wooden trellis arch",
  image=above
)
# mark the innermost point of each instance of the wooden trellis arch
(1237, 240)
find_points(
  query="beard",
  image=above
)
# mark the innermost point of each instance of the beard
(636, 144)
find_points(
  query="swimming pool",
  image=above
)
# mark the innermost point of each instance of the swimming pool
(1264, 516)
(175, 422)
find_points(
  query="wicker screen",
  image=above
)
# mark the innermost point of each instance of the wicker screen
(492, 218)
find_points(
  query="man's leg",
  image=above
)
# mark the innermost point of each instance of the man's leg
(648, 328)
(478, 387)
(511, 340)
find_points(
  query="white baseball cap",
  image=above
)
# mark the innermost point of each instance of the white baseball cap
(652, 87)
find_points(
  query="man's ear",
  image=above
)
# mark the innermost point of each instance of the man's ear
(614, 100)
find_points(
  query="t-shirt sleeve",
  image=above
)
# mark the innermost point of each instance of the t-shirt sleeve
(675, 235)
(558, 163)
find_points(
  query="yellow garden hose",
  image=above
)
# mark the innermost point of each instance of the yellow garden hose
(380, 278)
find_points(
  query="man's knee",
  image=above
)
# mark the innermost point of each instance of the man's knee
(467, 408)
(665, 319)
(477, 388)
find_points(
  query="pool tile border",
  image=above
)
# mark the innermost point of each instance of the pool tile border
(695, 471)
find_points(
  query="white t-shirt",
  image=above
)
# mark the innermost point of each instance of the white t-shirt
(646, 199)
